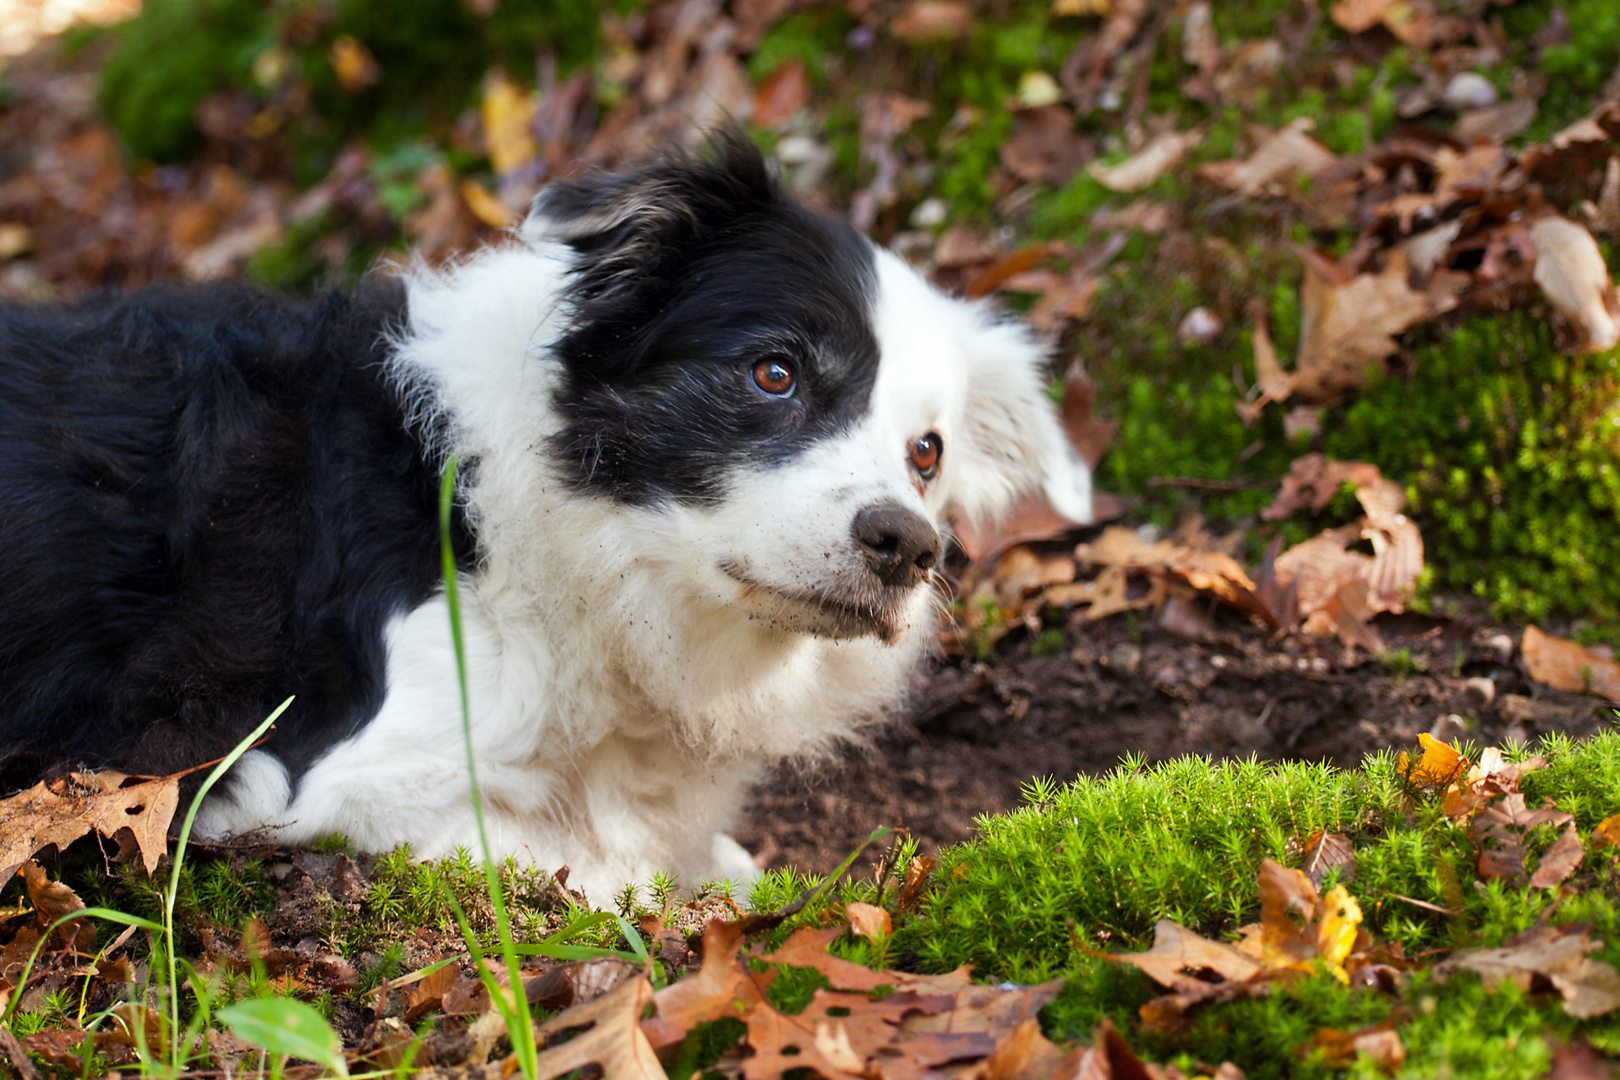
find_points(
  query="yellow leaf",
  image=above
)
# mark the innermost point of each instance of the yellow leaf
(353, 63)
(486, 207)
(1336, 934)
(507, 111)
(1607, 833)
(1082, 7)
(1440, 764)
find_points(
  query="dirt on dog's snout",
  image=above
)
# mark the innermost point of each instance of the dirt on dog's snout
(974, 733)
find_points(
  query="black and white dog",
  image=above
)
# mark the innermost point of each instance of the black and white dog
(710, 439)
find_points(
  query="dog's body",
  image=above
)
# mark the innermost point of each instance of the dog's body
(708, 440)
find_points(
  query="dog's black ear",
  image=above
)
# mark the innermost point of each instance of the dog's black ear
(633, 234)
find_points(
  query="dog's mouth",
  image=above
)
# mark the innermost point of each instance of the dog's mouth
(841, 611)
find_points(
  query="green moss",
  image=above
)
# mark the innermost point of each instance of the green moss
(1509, 451)
(1090, 866)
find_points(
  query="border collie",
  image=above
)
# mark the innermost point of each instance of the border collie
(710, 442)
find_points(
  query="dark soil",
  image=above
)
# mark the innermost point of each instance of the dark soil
(974, 733)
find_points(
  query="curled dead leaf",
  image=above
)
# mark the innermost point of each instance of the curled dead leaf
(1142, 169)
(931, 21)
(1566, 665)
(353, 64)
(1575, 280)
(1556, 953)
(1280, 160)
(867, 920)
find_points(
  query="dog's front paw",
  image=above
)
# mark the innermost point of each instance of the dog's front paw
(732, 862)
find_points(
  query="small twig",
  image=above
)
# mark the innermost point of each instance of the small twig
(1200, 482)
(1424, 904)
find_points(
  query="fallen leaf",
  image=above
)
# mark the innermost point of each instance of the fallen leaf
(932, 21)
(1408, 20)
(353, 64)
(1607, 833)
(1558, 662)
(1439, 765)
(807, 947)
(1327, 851)
(1143, 168)
(428, 994)
(1280, 160)
(915, 882)
(1575, 280)
(1179, 957)
(1044, 147)
(59, 812)
(1500, 829)
(723, 986)
(1312, 482)
(614, 1040)
(1496, 123)
(51, 899)
(15, 239)
(1556, 953)
(1187, 557)
(867, 920)
(486, 207)
(507, 112)
(1348, 330)
(1491, 778)
(1082, 7)
(1339, 1049)
(783, 93)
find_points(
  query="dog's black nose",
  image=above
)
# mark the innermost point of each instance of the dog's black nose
(900, 546)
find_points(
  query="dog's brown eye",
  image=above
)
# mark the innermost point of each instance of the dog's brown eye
(925, 455)
(774, 377)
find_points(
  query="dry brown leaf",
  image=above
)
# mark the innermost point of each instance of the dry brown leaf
(51, 899)
(1143, 168)
(1408, 20)
(867, 920)
(1312, 482)
(1339, 1049)
(1179, 957)
(808, 948)
(1563, 665)
(1575, 280)
(1187, 557)
(1326, 851)
(928, 21)
(723, 986)
(1490, 778)
(614, 1041)
(1044, 147)
(1280, 160)
(1348, 330)
(783, 93)
(59, 812)
(428, 993)
(1499, 831)
(1496, 123)
(1556, 953)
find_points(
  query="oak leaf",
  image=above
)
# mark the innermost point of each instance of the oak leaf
(1499, 832)
(615, 1040)
(1555, 953)
(61, 811)
(1326, 851)
(723, 986)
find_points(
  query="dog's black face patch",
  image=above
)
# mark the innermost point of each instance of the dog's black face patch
(692, 274)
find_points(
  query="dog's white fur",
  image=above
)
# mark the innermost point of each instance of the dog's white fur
(626, 691)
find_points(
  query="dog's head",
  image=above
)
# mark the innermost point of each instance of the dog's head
(802, 407)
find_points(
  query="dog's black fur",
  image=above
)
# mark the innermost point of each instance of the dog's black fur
(209, 500)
